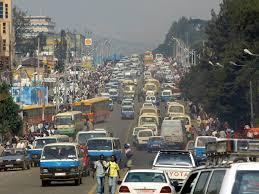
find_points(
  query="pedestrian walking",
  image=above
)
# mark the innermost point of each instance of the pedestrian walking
(99, 170)
(128, 156)
(113, 174)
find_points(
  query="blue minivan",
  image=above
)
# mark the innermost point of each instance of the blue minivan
(61, 162)
(39, 143)
(106, 146)
(127, 112)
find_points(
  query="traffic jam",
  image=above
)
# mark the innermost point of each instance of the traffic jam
(187, 157)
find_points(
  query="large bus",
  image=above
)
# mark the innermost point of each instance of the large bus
(96, 109)
(35, 114)
(148, 58)
(69, 123)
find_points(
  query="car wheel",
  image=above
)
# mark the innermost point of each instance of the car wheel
(28, 166)
(77, 182)
(5, 169)
(45, 183)
(24, 166)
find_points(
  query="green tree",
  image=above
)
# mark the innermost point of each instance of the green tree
(10, 121)
(61, 51)
(225, 91)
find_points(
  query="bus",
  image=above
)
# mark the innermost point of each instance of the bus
(35, 114)
(69, 123)
(96, 109)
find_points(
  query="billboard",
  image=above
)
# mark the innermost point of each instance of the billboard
(30, 95)
(88, 42)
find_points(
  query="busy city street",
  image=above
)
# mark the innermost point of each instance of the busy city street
(129, 97)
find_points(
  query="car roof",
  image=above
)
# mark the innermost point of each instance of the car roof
(146, 170)
(62, 144)
(104, 138)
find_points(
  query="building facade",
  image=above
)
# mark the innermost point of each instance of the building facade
(6, 39)
(40, 24)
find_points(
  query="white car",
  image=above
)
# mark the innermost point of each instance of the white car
(177, 164)
(143, 137)
(146, 181)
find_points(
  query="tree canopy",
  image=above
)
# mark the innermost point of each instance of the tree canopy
(224, 90)
(10, 121)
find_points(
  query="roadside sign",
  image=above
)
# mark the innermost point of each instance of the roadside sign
(88, 42)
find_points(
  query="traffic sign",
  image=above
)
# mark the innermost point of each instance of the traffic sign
(88, 42)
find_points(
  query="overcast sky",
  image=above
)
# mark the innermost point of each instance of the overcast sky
(131, 20)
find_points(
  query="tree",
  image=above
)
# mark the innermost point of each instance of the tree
(61, 51)
(225, 91)
(10, 121)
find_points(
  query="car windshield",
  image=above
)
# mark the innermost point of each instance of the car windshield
(12, 152)
(150, 87)
(176, 109)
(40, 143)
(99, 144)
(145, 133)
(64, 120)
(113, 92)
(156, 139)
(166, 94)
(201, 141)
(148, 110)
(58, 152)
(174, 159)
(246, 182)
(184, 119)
(147, 120)
(137, 129)
(149, 177)
(126, 103)
(127, 109)
(168, 125)
(147, 105)
(83, 137)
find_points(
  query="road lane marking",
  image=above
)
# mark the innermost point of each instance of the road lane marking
(93, 189)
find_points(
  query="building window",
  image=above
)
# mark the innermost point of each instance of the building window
(6, 11)
(4, 44)
(1, 10)
(4, 28)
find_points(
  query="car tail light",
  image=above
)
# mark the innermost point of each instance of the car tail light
(124, 189)
(166, 189)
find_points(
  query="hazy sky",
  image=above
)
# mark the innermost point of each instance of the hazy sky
(131, 20)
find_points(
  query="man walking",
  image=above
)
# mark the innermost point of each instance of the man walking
(113, 173)
(99, 172)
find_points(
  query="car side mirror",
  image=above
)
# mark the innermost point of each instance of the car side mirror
(119, 182)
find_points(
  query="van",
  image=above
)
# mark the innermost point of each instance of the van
(175, 109)
(106, 146)
(200, 146)
(186, 120)
(174, 133)
(83, 136)
(61, 162)
(148, 118)
(143, 137)
(39, 143)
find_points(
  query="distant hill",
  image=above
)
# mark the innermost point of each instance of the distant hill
(191, 31)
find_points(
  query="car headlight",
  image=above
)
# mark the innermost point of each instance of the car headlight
(18, 159)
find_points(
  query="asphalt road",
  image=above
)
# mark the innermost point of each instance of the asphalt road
(28, 181)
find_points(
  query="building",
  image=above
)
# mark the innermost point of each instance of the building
(6, 37)
(40, 24)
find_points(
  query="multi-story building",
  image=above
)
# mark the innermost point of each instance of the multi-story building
(6, 37)
(40, 24)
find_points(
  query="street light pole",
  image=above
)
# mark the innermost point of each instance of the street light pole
(251, 104)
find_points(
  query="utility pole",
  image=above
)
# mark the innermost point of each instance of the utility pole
(38, 59)
(251, 104)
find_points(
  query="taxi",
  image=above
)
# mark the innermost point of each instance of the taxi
(61, 162)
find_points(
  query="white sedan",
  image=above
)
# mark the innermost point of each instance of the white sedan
(146, 181)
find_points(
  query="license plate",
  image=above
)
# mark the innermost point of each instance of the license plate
(60, 174)
(146, 191)
(9, 165)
